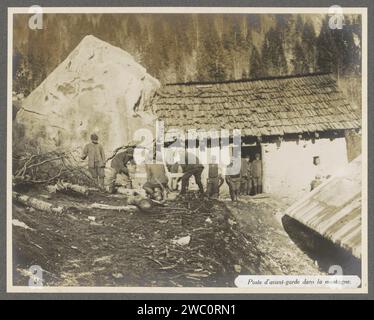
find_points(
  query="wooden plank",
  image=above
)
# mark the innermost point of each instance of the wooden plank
(347, 228)
(324, 225)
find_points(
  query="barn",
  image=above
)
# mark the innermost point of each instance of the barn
(289, 120)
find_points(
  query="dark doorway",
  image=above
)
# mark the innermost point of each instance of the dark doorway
(251, 151)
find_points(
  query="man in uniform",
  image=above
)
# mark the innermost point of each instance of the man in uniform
(215, 179)
(256, 169)
(233, 181)
(191, 167)
(96, 160)
(244, 175)
(119, 166)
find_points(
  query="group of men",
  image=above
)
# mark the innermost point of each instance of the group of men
(246, 182)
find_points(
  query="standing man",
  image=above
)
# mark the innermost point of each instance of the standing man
(118, 166)
(233, 181)
(257, 174)
(96, 160)
(215, 179)
(191, 167)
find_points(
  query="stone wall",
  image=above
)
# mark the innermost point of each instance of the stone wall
(289, 169)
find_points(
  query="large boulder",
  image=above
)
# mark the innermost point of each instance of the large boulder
(98, 88)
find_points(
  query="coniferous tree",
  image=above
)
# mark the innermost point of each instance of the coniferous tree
(337, 51)
(328, 55)
(256, 69)
(210, 64)
(300, 65)
(308, 44)
(273, 56)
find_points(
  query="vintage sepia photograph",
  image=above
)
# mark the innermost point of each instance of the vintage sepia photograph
(188, 149)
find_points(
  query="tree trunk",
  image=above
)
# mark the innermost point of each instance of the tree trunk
(36, 203)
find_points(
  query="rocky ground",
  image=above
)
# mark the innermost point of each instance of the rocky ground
(194, 242)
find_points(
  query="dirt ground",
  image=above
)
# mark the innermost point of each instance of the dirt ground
(262, 219)
(195, 242)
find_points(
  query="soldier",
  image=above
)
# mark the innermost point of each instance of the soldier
(96, 160)
(256, 169)
(215, 179)
(191, 167)
(119, 166)
(233, 181)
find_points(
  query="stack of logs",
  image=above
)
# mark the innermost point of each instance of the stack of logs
(134, 202)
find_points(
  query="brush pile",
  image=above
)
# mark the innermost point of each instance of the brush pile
(30, 168)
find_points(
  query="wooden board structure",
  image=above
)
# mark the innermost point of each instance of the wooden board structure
(333, 209)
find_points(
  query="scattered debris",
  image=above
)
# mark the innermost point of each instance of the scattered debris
(208, 220)
(173, 246)
(238, 268)
(21, 224)
(184, 241)
(51, 188)
(231, 222)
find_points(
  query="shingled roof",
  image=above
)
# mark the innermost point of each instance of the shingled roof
(265, 107)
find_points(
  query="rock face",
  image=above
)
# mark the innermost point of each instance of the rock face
(98, 88)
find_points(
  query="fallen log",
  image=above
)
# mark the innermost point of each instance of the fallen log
(62, 186)
(110, 207)
(260, 196)
(36, 203)
(134, 202)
